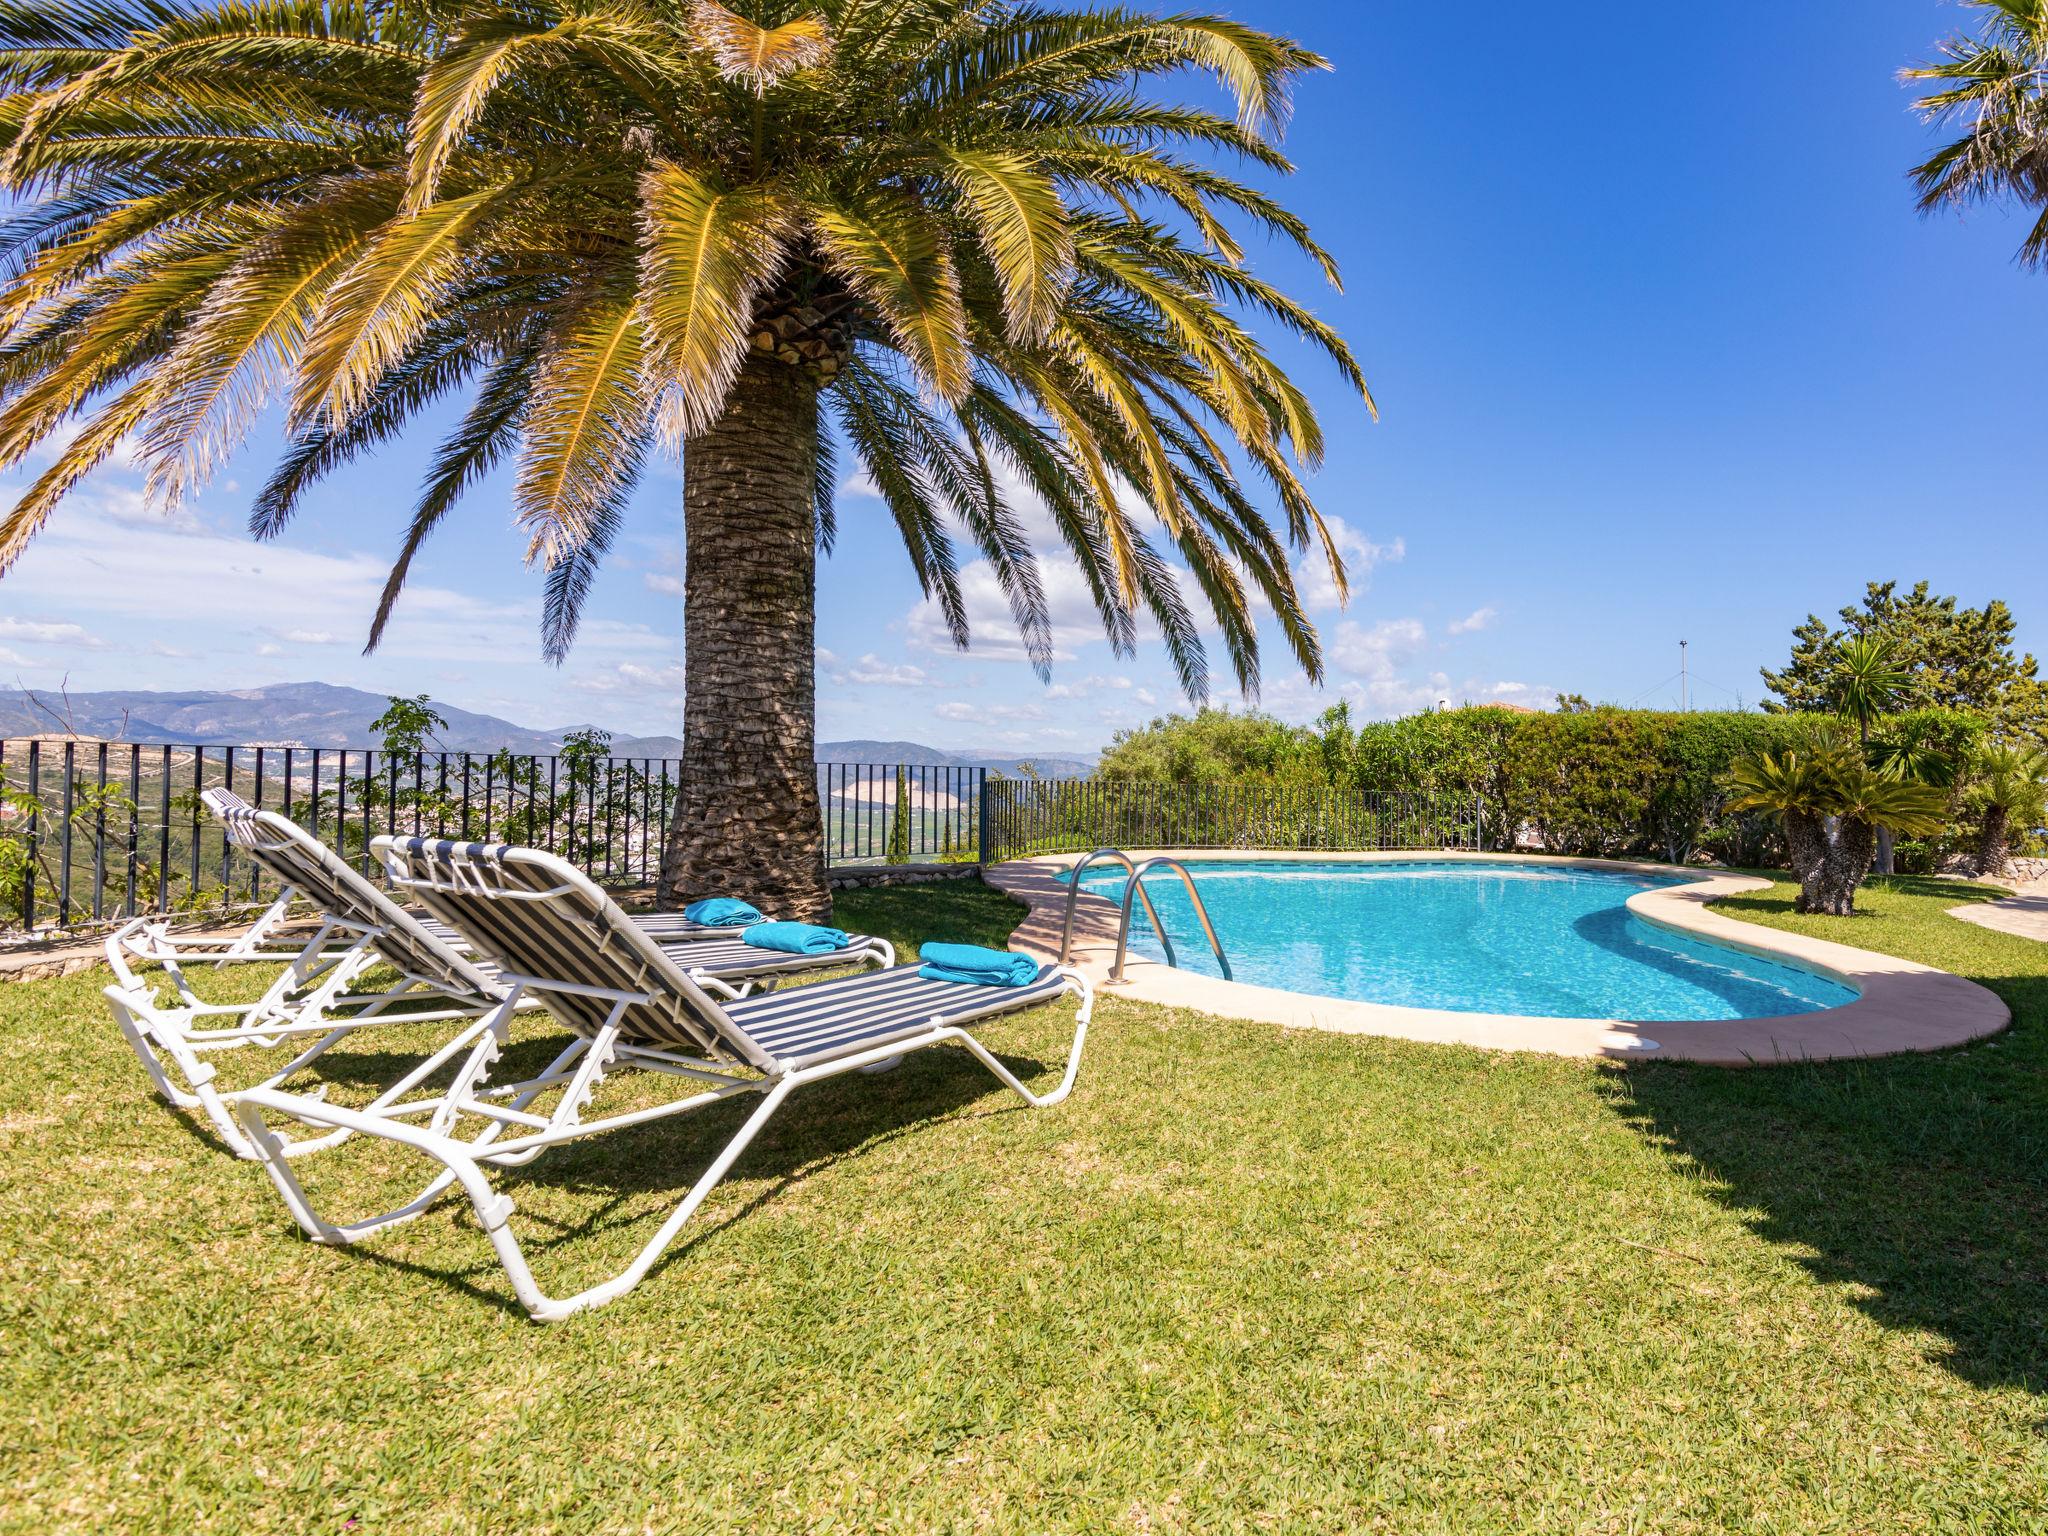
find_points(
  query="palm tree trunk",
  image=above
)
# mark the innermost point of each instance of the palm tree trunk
(1850, 852)
(1992, 841)
(1806, 850)
(746, 821)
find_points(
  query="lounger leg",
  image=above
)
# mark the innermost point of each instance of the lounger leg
(460, 1164)
(138, 1035)
(494, 1211)
(1080, 985)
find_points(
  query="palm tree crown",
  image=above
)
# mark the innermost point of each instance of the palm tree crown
(966, 221)
(1994, 86)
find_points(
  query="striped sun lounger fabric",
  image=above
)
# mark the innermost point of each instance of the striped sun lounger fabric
(829, 1018)
(546, 921)
(292, 856)
(662, 927)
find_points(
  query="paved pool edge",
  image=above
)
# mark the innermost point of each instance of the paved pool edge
(1902, 1005)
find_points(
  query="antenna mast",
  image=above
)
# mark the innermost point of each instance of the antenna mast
(1684, 679)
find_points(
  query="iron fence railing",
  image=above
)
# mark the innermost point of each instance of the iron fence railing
(1029, 817)
(93, 832)
(96, 831)
(916, 813)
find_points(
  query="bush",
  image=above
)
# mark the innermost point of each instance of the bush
(1601, 782)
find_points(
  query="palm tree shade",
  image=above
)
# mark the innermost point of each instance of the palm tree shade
(1993, 86)
(967, 239)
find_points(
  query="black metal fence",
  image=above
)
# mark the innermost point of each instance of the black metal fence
(96, 831)
(1029, 817)
(93, 832)
(915, 813)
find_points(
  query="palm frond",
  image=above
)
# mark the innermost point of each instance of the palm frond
(585, 428)
(709, 251)
(758, 56)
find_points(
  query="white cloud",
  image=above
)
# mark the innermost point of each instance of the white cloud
(12, 658)
(1473, 622)
(1362, 556)
(662, 582)
(962, 709)
(310, 637)
(872, 671)
(158, 648)
(268, 649)
(1368, 664)
(41, 632)
(1080, 688)
(992, 630)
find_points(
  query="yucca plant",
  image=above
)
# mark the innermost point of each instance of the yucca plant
(1993, 85)
(968, 239)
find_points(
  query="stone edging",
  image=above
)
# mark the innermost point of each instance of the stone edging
(1901, 1005)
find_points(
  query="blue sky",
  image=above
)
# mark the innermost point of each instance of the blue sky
(1661, 347)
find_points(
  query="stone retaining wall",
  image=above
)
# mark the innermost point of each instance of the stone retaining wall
(899, 874)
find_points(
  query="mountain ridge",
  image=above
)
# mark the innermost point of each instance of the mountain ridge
(332, 715)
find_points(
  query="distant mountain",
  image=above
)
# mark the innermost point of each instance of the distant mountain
(284, 714)
(327, 715)
(1063, 765)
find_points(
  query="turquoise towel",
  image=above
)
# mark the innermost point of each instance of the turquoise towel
(796, 938)
(722, 912)
(977, 967)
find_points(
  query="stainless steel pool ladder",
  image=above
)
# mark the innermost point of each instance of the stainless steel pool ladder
(1134, 889)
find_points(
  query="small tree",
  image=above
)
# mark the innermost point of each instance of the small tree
(2010, 792)
(1831, 802)
(899, 823)
(407, 725)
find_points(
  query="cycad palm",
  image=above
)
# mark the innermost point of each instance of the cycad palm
(617, 223)
(2012, 791)
(1994, 85)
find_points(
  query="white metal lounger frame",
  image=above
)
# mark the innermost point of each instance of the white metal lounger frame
(561, 938)
(359, 928)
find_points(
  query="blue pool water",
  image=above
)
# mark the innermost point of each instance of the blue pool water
(1472, 938)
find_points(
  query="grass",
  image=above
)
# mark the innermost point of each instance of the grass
(1243, 1280)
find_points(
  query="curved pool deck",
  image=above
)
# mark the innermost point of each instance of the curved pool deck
(1901, 1004)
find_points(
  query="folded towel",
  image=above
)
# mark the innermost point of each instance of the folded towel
(722, 912)
(977, 967)
(796, 938)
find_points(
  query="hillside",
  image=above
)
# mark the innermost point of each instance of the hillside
(329, 715)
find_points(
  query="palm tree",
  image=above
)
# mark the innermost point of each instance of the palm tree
(967, 239)
(1831, 802)
(1866, 682)
(2012, 789)
(1994, 86)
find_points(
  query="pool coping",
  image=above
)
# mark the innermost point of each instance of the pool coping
(1901, 1004)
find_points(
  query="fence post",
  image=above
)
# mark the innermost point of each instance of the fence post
(985, 841)
(33, 835)
(1478, 823)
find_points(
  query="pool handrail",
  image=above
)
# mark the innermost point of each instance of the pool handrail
(1135, 886)
(1074, 894)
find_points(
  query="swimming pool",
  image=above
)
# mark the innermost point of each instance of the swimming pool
(1465, 937)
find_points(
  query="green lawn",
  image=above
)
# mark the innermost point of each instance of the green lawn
(1242, 1280)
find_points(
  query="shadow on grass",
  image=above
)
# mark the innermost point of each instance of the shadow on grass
(635, 1176)
(1920, 1181)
